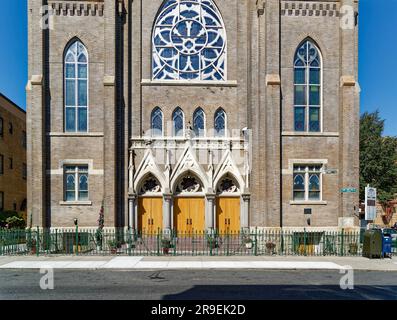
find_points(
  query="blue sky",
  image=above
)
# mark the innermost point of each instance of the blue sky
(377, 54)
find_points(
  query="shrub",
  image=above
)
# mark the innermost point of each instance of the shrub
(16, 223)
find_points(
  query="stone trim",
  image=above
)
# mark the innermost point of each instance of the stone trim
(229, 83)
(75, 134)
(75, 203)
(273, 80)
(347, 81)
(308, 203)
(66, 8)
(292, 162)
(303, 9)
(109, 81)
(36, 79)
(309, 134)
(89, 162)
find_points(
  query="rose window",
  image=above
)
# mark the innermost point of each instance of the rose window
(189, 42)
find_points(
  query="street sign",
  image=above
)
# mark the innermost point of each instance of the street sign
(370, 203)
(349, 190)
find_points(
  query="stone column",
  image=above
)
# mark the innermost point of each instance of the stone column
(349, 116)
(36, 128)
(132, 221)
(271, 161)
(245, 212)
(167, 214)
(109, 101)
(210, 212)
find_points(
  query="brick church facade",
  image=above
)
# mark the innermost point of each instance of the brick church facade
(193, 114)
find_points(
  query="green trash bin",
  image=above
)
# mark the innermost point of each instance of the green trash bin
(372, 246)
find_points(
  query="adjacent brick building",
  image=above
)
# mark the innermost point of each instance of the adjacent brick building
(13, 168)
(194, 114)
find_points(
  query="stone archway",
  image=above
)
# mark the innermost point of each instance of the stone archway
(228, 205)
(150, 205)
(189, 205)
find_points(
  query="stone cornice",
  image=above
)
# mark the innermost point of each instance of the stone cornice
(309, 8)
(77, 8)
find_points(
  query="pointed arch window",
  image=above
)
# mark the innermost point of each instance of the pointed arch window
(189, 42)
(308, 88)
(76, 88)
(307, 182)
(199, 122)
(220, 123)
(178, 119)
(157, 122)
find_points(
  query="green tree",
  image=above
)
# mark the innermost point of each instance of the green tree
(378, 158)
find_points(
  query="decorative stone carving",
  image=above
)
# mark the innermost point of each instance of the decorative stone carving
(189, 184)
(227, 185)
(150, 185)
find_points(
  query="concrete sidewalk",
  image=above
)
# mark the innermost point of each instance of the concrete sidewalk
(205, 262)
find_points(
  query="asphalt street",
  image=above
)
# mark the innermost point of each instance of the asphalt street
(197, 285)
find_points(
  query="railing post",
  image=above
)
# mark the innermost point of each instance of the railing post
(210, 243)
(304, 241)
(38, 242)
(77, 240)
(129, 241)
(256, 242)
(158, 244)
(342, 242)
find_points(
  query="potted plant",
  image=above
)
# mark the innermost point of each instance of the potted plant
(248, 242)
(98, 238)
(270, 246)
(31, 245)
(212, 242)
(166, 245)
(353, 248)
(112, 246)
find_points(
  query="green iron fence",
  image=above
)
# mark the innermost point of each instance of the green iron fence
(123, 242)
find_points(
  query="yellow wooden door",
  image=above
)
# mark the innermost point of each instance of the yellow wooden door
(189, 215)
(197, 214)
(157, 215)
(228, 214)
(181, 215)
(150, 214)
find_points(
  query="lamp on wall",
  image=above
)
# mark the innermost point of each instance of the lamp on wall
(308, 214)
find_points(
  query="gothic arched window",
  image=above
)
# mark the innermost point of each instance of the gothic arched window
(178, 119)
(307, 83)
(189, 42)
(157, 122)
(220, 123)
(76, 88)
(199, 122)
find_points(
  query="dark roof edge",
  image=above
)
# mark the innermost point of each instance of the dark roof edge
(12, 102)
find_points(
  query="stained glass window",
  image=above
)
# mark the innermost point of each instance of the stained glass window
(307, 91)
(220, 123)
(157, 122)
(76, 88)
(199, 122)
(178, 119)
(189, 42)
(307, 182)
(76, 183)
